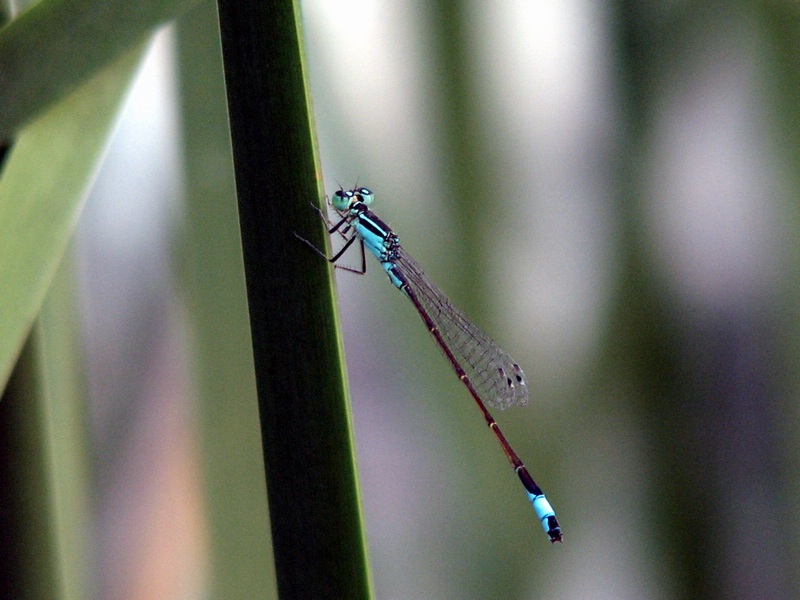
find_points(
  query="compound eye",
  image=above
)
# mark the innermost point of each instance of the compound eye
(342, 199)
(366, 195)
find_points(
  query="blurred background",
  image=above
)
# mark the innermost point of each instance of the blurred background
(610, 190)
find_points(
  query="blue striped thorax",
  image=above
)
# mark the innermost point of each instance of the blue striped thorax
(378, 237)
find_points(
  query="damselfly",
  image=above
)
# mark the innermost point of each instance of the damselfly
(489, 373)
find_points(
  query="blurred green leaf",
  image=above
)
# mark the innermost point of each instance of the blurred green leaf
(50, 49)
(42, 191)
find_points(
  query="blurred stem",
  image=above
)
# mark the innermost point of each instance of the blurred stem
(241, 560)
(462, 128)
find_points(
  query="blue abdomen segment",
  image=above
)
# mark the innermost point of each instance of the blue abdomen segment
(544, 512)
(394, 277)
(547, 516)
